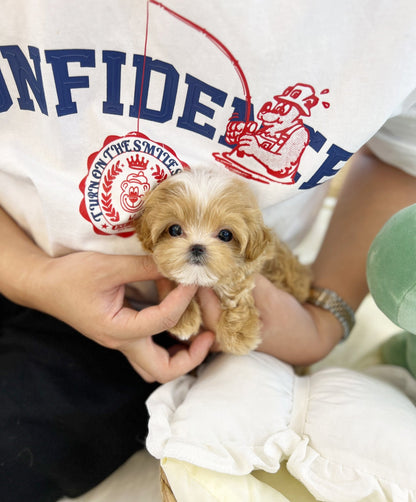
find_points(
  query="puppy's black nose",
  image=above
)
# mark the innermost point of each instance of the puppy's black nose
(197, 250)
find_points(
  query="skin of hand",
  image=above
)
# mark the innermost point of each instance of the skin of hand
(303, 334)
(290, 331)
(99, 281)
(86, 290)
(297, 334)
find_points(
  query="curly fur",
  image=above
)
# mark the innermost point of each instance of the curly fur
(203, 202)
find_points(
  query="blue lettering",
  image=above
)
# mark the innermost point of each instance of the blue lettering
(316, 142)
(92, 206)
(171, 164)
(107, 153)
(194, 106)
(142, 91)
(148, 148)
(24, 76)
(5, 99)
(121, 147)
(100, 164)
(316, 139)
(64, 83)
(159, 152)
(126, 145)
(96, 217)
(97, 174)
(93, 189)
(118, 148)
(165, 156)
(137, 146)
(114, 60)
(335, 155)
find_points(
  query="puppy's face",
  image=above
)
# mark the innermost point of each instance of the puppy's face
(202, 228)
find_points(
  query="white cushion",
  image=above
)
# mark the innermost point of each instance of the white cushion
(345, 435)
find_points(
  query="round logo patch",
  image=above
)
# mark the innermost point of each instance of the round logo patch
(119, 175)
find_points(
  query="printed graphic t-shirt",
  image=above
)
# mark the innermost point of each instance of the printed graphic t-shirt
(100, 101)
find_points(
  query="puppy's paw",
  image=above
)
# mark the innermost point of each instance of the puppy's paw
(189, 323)
(238, 334)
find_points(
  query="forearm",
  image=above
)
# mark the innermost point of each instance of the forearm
(372, 193)
(20, 257)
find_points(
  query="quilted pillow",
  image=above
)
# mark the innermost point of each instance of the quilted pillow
(345, 435)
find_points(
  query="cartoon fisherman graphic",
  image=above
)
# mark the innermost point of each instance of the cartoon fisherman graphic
(271, 151)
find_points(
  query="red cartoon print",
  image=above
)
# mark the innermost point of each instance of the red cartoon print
(134, 187)
(118, 177)
(271, 150)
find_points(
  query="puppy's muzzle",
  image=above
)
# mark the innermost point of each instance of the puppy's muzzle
(197, 254)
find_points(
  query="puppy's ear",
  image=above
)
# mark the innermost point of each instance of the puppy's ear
(141, 225)
(259, 239)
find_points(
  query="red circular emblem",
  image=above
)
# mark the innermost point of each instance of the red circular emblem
(119, 175)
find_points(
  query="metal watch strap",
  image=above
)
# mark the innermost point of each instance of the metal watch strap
(329, 300)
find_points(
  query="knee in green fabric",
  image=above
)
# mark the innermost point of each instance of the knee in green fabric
(400, 350)
(391, 269)
(391, 275)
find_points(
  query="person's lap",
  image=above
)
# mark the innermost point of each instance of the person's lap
(71, 411)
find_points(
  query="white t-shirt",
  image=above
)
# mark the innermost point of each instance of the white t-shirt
(304, 85)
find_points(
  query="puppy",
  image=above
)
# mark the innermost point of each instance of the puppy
(204, 227)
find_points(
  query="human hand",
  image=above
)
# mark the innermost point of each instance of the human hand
(86, 290)
(299, 334)
(294, 333)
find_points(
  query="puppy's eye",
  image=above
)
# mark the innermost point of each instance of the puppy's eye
(175, 230)
(225, 235)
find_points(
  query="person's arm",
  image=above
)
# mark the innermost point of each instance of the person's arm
(372, 193)
(86, 290)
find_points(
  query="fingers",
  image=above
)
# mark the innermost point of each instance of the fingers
(131, 330)
(159, 365)
(210, 307)
(130, 324)
(187, 359)
(164, 287)
(147, 377)
(132, 268)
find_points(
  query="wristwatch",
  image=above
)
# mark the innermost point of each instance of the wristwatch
(329, 300)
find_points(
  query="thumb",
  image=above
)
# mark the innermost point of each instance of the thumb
(157, 318)
(130, 268)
